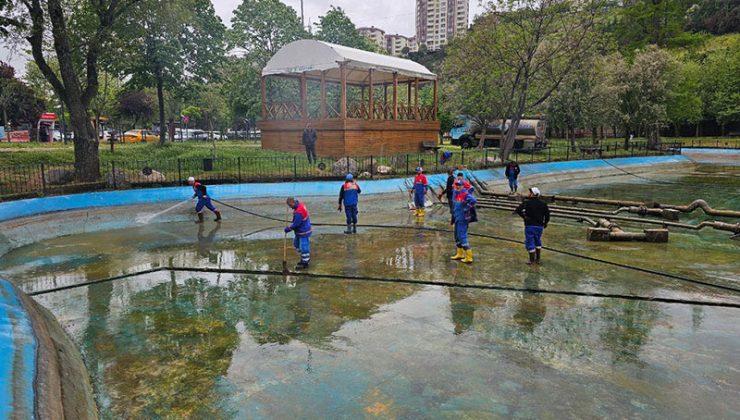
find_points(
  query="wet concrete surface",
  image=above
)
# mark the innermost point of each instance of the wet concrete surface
(179, 344)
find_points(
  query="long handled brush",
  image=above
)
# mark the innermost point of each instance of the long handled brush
(285, 247)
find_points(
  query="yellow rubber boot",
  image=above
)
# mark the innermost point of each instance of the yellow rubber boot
(460, 254)
(468, 256)
(421, 212)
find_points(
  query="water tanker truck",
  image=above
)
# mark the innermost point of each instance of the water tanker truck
(467, 133)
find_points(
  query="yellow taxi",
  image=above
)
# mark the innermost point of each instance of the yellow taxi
(139, 136)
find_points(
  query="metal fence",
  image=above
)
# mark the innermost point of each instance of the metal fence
(53, 179)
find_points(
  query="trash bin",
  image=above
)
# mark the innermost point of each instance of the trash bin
(208, 164)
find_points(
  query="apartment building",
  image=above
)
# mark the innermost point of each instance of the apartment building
(395, 44)
(438, 21)
(376, 35)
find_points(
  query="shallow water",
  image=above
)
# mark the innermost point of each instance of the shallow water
(183, 344)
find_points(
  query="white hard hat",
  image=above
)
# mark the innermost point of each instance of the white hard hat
(535, 191)
(191, 179)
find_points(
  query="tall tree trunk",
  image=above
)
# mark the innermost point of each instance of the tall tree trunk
(626, 136)
(87, 160)
(160, 99)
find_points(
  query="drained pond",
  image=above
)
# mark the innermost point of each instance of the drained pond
(216, 338)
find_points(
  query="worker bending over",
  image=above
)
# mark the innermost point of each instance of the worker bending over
(349, 194)
(301, 226)
(463, 215)
(536, 215)
(201, 193)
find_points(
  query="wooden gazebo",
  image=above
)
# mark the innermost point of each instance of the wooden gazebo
(360, 103)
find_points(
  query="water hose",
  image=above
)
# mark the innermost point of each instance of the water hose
(503, 239)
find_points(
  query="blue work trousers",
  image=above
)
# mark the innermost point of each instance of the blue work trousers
(302, 244)
(351, 212)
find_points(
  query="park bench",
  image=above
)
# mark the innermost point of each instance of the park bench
(591, 150)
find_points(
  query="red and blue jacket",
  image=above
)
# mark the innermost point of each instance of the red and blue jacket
(349, 193)
(301, 221)
(200, 190)
(464, 210)
(420, 184)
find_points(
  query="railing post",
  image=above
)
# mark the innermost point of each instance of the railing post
(436, 158)
(372, 171)
(485, 159)
(549, 153)
(295, 167)
(567, 153)
(239, 169)
(113, 173)
(462, 158)
(179, 172)
(407, 164)
(43, 180)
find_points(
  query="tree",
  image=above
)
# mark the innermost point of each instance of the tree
(642, 104)
(19, 103)
(640, 23)
(78, 36)
(684, 104)
(720, 80)
(261, 27)
(337, 28)
(166, 43)
(516, 56)
(714, 16)
(136, 106)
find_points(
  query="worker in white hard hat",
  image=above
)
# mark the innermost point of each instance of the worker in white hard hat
(201, 193)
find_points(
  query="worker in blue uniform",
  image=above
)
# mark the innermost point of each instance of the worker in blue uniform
(349, 195)
(301, 225)
(463, 215)
(421, 186)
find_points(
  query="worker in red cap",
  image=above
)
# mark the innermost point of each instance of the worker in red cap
(204, 200)
(463, 215)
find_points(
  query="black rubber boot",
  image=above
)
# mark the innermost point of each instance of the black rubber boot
(537, 255)
(200, 218)
(349, 229)
(354, 228)
(532, 259)
(218, 216)
(301, 266)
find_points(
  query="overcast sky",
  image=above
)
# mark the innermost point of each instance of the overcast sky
(393, 16)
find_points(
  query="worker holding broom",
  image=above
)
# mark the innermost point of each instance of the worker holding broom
(301, 226)
(421, 186)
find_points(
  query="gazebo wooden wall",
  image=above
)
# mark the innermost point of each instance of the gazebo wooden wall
(371, 126)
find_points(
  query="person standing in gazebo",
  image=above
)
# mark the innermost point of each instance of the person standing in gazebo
(309, 141)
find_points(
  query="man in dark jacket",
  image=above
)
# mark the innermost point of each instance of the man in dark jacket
(449, 190)
(309, 141)
(512, 173)
(536, 216)
(349, 194)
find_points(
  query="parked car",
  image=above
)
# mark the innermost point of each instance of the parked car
(56, 135)
(139, 136)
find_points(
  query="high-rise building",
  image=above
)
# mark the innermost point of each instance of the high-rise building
(438, 21)
(376, 35)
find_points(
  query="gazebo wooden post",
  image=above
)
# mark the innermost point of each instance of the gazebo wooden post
(395, 95)
(304, 96)
(385, 101)
(371, 95)
(264, 97)
(408, 93)
(323, 95)
(416, 98)
(343, 93)
(434, 112)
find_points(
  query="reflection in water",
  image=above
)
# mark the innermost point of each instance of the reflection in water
(531, 308)
(205, 243)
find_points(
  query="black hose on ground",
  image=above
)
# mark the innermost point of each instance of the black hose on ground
(500, 238)
(447, 284)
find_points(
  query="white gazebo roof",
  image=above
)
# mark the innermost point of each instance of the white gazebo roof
(313, 57)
